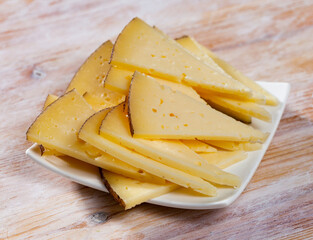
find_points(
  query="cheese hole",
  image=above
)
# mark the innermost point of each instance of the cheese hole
(126, 188)
(172, 115)
(162, 126)
(152, 55)
(161, 101)
(163, 114)
(163, 56)
(154, 110)
(140, 171)
(185, 125)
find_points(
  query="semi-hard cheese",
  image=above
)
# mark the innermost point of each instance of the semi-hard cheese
(198, 146)
(50, 99)
(140, 161)
(141, 47)
(233, 146)
(115, 126)
(247, 108)
(257, 90)
(130, 192)
(119, 80)
(162, 113)
(90, 77)
(234, 114)
(56, 128)
(109, 100)
(224, 159)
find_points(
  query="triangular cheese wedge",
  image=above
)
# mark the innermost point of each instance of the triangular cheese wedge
(257, 90)
(173, 153)
(140, 161)
(141, 47)
(90, 77)
(130, 192)
(57, 127)
(161, 113)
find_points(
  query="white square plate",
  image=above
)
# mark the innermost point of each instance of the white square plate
(88, 175)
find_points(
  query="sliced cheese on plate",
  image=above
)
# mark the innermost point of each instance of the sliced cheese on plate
(162, 113)
(141, 47)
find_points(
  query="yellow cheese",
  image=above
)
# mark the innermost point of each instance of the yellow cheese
(90, 79)
(115, 127)
(235, 74)
(243, 107)
(224, 159)
(90, 76)
(198, 146)
(162, 113)
(50, 99)
(98, 103)
(119, 80)
(233, 146)
(130, 192)
(141, 47)
(236, 115)
(227, 145)
(147, 164)
(57, 127)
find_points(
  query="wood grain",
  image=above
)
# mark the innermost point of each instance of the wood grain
(42, 43)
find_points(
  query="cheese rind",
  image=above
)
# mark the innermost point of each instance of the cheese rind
(173, 153)
(141, 47)
(130, 192)
(57, 126)
(179, 116)
(147, 164)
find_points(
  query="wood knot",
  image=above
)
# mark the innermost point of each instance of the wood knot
(99, 217)
(38, 73)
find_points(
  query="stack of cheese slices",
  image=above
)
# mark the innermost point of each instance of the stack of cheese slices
(155, 114)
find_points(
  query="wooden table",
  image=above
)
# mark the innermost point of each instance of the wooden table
(42, 43)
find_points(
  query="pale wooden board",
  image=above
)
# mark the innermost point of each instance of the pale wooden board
(42, 43)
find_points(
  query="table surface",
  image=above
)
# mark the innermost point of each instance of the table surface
(42, 43)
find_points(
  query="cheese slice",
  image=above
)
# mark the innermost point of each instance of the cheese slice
(141, 47)
(234, 114)
(243, 107)
(162, 113)
(257, 90)
(224, 159)
(90, 78)
(98, 103)
(115, 126)
(57, 127)
(50, 99)
(130, 192)
(119, 80)
(198, 146)
(226, 145)
(147, 164)
(233, 146)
